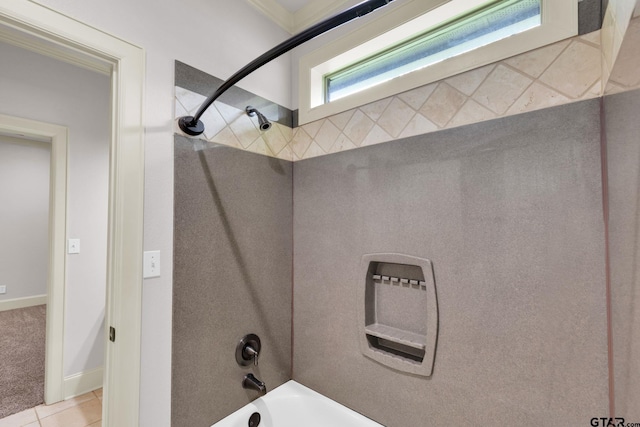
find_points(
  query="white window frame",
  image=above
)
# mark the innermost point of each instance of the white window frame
(559, 21)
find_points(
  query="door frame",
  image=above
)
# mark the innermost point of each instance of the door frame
(56, 277)
(46, 31)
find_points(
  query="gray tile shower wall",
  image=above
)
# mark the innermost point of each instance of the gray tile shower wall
(232, 276)
(590, 15)
(623, 153)
(510, 213)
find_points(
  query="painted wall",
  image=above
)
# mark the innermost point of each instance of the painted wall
(219, 37)
(40, 88)
(510, 213)
(24, 217)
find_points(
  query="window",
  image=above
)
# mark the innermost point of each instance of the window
(383, 58)
(500, 19)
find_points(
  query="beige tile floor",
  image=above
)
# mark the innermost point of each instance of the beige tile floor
(81, 411)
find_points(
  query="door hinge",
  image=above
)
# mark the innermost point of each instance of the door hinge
(112, 334)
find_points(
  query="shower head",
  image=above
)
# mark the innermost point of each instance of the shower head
(192, 125)
(265, 124)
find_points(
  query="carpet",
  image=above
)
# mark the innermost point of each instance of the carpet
(22, 344)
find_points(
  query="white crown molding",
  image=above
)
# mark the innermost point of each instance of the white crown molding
(274, 11)
(315, 11)
(295, 22)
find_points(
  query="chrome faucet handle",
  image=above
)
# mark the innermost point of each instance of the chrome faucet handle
(248, 349)
(252, 353)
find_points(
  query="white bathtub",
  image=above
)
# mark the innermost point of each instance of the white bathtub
(294, 405)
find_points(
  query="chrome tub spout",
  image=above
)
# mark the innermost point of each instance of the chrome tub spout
(252, 383)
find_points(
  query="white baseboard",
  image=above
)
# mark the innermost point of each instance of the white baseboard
(12, 304)
(82, 383)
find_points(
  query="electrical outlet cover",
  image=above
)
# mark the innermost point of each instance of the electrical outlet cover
(73, 246)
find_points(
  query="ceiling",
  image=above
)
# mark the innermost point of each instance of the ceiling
(296, 15)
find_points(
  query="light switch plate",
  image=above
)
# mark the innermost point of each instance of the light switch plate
(73, 246)
(151, 264)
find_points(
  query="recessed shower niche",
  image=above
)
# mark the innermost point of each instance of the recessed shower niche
(398, 315)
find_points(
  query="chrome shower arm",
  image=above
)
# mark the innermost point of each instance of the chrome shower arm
(191, 125)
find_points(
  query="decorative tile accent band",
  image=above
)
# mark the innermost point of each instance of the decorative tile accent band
(625, 73)
(614, 27)
(561, 73)
(231, 126)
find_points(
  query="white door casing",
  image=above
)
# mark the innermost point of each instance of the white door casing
(58, 137)
(46, 31)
